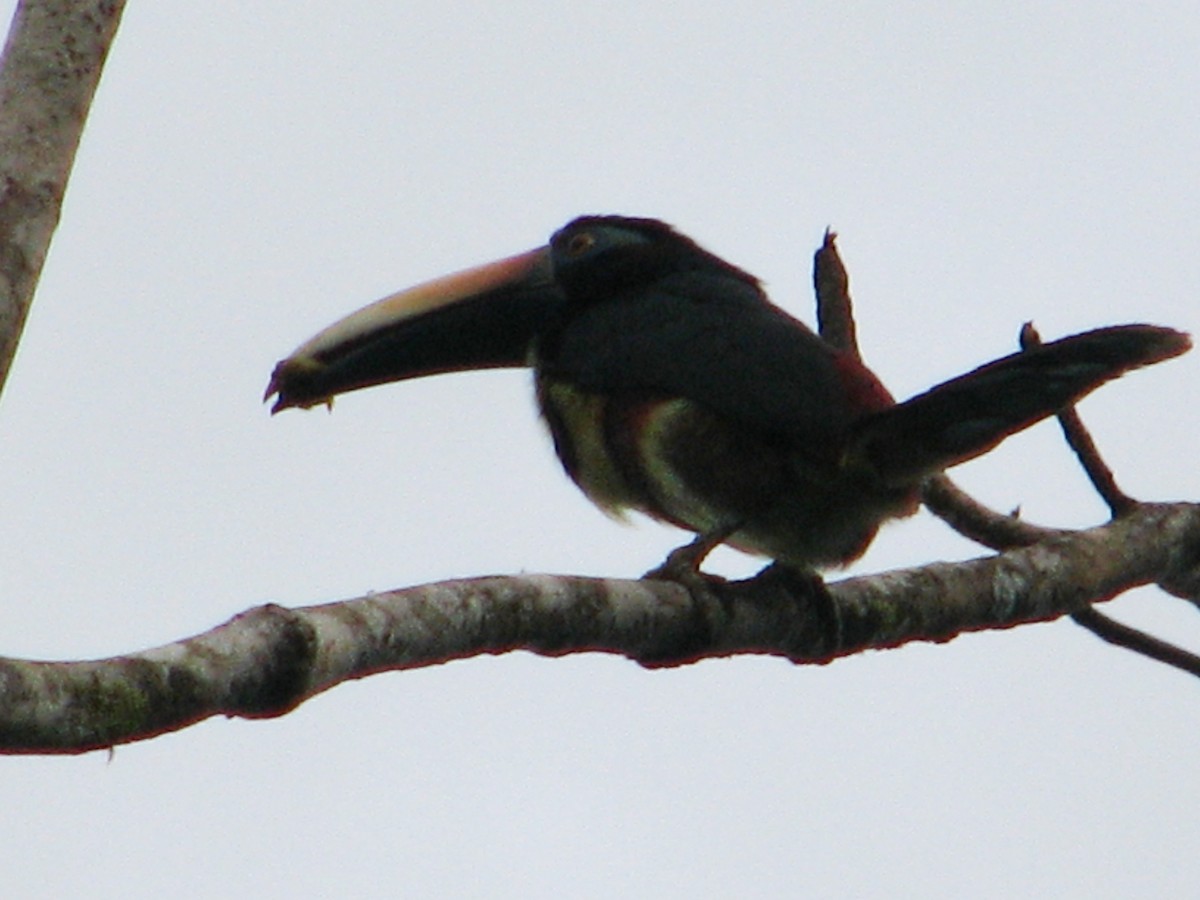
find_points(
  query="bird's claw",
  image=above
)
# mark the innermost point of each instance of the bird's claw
(683, 563)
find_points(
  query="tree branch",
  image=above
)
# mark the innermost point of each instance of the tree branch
(268, 660)
(48, 75)
(1123, 635)
(835, 309)
(978, 523)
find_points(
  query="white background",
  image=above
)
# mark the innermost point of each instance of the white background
(253, 171)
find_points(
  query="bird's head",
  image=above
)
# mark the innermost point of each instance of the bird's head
(602, 256)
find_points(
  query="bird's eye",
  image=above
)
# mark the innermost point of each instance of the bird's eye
(580, 244)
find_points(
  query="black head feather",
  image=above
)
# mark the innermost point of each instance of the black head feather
(599, 256)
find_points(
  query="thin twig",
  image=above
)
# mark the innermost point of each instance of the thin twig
(1079, 439)
(1139, 641)
(977, 522)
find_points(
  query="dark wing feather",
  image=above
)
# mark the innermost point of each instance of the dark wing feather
(714, 340)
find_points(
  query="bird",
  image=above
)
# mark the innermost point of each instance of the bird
(673, 386)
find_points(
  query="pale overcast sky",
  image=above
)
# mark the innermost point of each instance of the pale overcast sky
(254, 171)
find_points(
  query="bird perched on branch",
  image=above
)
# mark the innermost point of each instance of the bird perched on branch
(672, 385)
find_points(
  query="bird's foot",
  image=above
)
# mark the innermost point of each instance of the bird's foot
(683, 563)
(811, 595)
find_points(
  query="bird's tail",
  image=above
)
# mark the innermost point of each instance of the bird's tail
(969, 415)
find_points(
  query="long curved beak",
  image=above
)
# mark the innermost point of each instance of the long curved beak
(482, 318)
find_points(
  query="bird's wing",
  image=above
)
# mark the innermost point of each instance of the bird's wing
(717, 342)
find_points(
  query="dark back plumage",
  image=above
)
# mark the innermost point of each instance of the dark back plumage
(650, 310)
